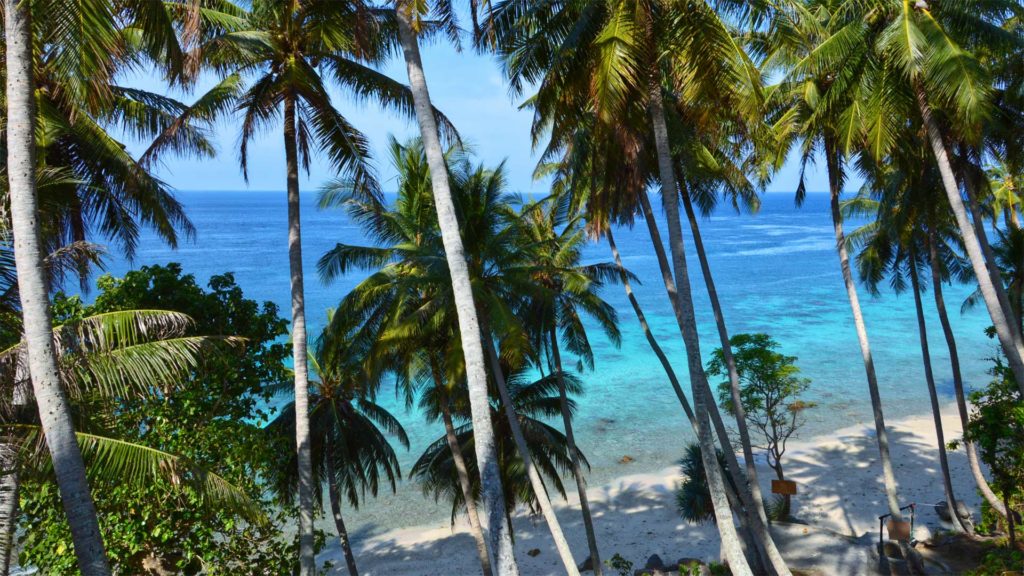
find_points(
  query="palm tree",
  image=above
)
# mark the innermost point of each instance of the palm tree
(825, 60)
(710, 164)
(409, 25)
(535, 401)
(54, 411)
(1005, 187)
(117, 354)
(579, 180)
(349, 444)
(93, 181)
(610, 59)
(287, 48)
(568, 290)
(405, 323)
(501, 273)
(693, 499)
(500, 280)
(932, 55)
(940, 270)
(894, 245)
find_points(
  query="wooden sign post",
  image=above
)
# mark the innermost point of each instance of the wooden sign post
(898, 530)
(784, 487)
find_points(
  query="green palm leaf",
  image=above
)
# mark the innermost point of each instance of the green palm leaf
(120, 461)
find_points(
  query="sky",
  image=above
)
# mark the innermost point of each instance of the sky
(467, 87)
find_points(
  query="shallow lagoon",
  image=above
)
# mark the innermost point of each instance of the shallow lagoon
(776, 272)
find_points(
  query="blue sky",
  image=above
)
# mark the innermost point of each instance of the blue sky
(467, 87)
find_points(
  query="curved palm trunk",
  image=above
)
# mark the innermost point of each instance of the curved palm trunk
(539, 490)
(761, 523)
(731, 546)
(651, 340)
(958, 381)
(577, 470)
(734, 499)
(339, 521)
(1011, 310)
(992, 291)
(986, 248)
(743, 503)
(933, 395)
(881, 434)
(469, 328)
(307, 560)
(54, 411)
(463, 473)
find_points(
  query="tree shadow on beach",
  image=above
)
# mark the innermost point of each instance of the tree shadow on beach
(636, 520)
(841, 496)
(848, 480)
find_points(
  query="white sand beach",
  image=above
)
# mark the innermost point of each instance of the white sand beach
(840, 489)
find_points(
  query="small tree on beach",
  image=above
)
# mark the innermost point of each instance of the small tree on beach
(770, 389)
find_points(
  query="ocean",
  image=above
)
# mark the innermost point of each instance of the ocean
(776, 272)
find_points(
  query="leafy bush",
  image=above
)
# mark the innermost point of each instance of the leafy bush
(213, 418)
(693, 497)
(999, 561)
(997, 427)
(617, 562)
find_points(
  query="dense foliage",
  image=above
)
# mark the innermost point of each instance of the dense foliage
(213, 418)
(997, 427)
(470, 291)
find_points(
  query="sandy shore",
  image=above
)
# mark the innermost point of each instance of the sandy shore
(840, 489)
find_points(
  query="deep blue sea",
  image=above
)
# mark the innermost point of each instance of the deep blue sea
(776, 272)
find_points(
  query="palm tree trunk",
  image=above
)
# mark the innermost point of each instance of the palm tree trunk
(54, 411)
(833, 162)
(720, 430)
(933, 395)
(881, 434)
(731, 546)
(469, 328)
(539, 490)
(307, 560)
(761, 522)
(742, 505)
(958, 381)
(339, 521)
(10, 478)
(9, 483)
(990, 289)
(577, 471)
(986, 248)
(651, 340)
(463, 474)
(723, 438)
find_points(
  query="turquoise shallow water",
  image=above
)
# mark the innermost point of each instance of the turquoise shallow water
(776, 272)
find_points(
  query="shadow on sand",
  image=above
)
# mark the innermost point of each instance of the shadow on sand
(841, 496)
